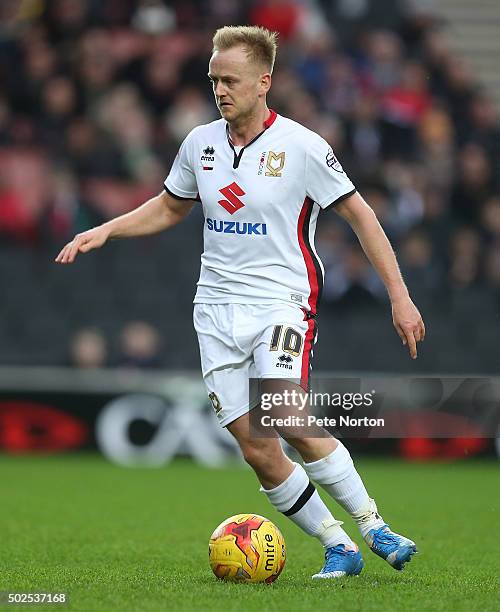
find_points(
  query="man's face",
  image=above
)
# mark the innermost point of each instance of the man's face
(237, 83)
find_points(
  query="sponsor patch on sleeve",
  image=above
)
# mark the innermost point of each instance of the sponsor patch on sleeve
(332, 162)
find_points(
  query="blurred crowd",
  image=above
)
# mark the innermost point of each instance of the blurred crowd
(138, 346)
(95, 98)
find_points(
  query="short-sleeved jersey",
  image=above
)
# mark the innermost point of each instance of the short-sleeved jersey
(261, 205)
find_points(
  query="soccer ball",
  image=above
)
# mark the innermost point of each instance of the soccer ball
(247, 548)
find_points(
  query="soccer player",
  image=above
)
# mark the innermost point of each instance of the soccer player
(262, 181)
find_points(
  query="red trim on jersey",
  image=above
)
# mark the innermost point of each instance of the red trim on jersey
(312, 274)
(271, 119)
(306, 355)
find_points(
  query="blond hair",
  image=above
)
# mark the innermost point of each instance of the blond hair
(260, 43)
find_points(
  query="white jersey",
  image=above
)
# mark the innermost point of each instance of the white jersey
(261, 203)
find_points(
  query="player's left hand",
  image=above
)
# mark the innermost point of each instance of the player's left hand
(408, 323)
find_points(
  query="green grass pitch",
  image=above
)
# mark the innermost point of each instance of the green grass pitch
(136, 539)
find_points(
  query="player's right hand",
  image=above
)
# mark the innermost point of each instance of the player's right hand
(82, 243)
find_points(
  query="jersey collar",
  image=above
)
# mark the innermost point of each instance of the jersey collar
(271, 119)
(237, 156)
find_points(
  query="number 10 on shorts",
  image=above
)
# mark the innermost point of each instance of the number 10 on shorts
(292, 340)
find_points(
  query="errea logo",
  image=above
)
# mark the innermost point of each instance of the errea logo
(208, 158)
(284, 361)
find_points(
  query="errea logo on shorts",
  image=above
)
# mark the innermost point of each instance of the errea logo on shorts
(284, 361)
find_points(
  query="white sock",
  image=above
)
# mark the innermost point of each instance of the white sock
(297, 499)
(338, 476)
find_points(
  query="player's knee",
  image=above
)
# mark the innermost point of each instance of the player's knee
(302, 445)
(262, 453)
(312, 447)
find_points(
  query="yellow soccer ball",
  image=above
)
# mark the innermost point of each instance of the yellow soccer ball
(247, 548)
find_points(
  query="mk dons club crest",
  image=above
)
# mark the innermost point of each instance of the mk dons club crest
(275, 163)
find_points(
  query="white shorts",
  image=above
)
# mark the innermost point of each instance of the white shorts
(243, 341)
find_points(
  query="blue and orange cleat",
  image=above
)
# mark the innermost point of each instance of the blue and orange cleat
(394, 548)
(340, 561)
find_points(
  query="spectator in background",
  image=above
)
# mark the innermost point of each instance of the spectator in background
(88, 349)
(159, 80)
(357, 287)
(15, 221)
(402, 107)
(123, 116)
(419, 268)
(405, 186)
(383, 60)
(364, 136)
(96, 66)
(139, 346)
(484, 129)
(492, 272)
(40, 62)
(436, 136)
(67, 20)
(282, 16)
(91, 152)
(189, 110)
(474, 184)
(465, 254)
(304, 109)
(63, 206)
(458, 88)
(5, 121)
(490, 219)
(58, 107)
(315, 58)
(153, 17)
(341, 86)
